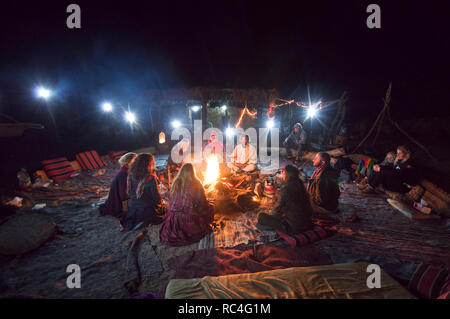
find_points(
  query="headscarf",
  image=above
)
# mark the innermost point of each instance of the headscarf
(141, 185)
(318, 170)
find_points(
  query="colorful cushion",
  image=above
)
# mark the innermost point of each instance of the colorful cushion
(430, 281)
(58, 168)
(89, 160)
(308, 237)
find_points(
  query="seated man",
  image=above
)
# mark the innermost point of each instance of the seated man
(323, 188)
(244, 157)
(296, 140)
(292, 214)
(394, 178)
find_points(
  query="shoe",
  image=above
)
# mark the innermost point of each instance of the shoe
(368, 190)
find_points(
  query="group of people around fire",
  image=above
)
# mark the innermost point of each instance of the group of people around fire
(187, 216)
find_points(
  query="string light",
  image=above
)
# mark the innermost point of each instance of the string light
(243, 112)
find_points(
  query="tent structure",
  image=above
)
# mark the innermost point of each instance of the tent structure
(210, 97)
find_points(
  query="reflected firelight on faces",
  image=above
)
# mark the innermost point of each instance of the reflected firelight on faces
(317, 160)
(400, 155)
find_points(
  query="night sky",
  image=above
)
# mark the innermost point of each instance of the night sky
(126, 47)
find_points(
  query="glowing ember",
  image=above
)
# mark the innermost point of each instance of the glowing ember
(212, 170)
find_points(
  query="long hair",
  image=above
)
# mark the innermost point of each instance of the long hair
(186, 176)
(392, 155)
(405, 150)
(139, 169)
(127, 158)
(294, 188)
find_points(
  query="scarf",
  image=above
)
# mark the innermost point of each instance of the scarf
(317, 172)
(141, 185)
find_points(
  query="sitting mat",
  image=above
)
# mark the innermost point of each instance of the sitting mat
(340, 281)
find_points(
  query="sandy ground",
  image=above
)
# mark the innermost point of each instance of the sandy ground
(89, 240)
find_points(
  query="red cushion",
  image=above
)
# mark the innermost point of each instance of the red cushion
(429, 281)
(89, 160)
(308, 237)
(58, 168)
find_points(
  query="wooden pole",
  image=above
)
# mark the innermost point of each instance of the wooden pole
(386, 104)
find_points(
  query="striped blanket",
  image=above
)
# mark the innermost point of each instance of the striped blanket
(366, 163)
(239, 231)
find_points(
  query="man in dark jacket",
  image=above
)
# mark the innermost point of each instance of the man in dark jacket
(296, 140)
(292, 214)
(323, 187)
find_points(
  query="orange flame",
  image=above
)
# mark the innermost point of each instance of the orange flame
(212, 170)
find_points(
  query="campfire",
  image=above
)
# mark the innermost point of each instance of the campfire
(212, 173)
(226, 191)
(211, 176)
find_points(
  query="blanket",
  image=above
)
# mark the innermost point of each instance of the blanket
(239, 231)
(225, 261)
(342, 281)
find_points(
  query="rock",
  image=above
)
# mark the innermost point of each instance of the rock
(24, 233)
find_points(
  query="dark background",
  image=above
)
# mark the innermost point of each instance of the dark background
(124, 48)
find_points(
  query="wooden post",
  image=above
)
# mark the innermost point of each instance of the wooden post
(204, 115)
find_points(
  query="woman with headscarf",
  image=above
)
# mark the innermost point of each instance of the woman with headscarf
(145, 204)
(189, 215)
(292, 214)
(116, 204)
(323, 186)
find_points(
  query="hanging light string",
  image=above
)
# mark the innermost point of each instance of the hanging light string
(243, 112)
(273, 107)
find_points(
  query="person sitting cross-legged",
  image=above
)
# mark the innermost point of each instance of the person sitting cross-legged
(244, 157)
(323, 187)
(296, 140)
(189, 214)
(292, 214)
(145, 205)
